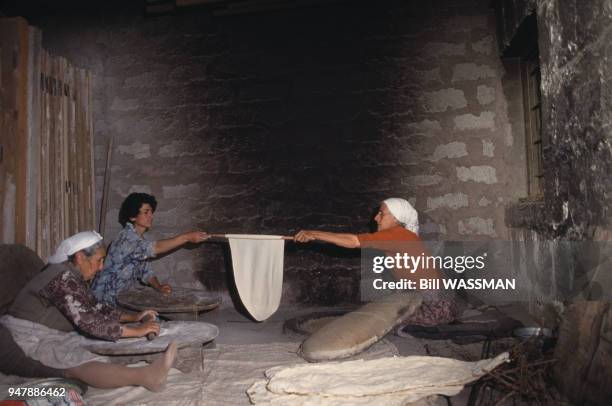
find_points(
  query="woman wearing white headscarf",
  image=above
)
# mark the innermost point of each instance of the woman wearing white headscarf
(397, 231)
(58, 298)
(396, 220)
(62, 300)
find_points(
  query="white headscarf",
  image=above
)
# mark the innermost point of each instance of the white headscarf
(74, 244)
(404, 213)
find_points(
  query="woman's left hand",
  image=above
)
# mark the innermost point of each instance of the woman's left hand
(165, 289)
(146, 315)
(304, 236)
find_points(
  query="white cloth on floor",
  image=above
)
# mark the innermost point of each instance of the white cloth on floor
(54, 348)
(258, 271)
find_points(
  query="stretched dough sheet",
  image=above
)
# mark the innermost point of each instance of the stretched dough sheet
(380, 376)
(260, 395)
(385, 381)
(258, 271)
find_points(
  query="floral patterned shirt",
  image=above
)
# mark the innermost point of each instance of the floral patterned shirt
(126, 264)
(69, 293)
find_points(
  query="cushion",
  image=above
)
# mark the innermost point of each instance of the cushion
(18, 265)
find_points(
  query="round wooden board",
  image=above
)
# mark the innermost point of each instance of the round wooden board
(181, 300)
(185, 333)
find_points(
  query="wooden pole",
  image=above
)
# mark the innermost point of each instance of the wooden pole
(284, 237)
(105, 190)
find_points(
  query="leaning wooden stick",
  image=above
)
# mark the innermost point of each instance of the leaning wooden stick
(105, 191)
(284, 237)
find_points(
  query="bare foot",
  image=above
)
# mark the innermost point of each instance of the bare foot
(158, 370)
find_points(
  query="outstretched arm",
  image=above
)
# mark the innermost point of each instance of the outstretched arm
(163, 246)
(345, 240)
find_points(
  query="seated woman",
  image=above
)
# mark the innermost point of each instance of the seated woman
(127, 263)
(59, 298)
(397, 230)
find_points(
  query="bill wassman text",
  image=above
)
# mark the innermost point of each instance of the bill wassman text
(449, 284)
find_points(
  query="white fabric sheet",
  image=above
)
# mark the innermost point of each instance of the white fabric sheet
(258, 272)
(54, 348)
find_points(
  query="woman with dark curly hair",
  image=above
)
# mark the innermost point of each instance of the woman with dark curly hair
(127, 262)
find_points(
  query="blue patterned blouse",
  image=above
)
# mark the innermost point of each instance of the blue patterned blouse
(125, 265)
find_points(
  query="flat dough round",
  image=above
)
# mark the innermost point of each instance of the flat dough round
(185, 333)
(258, 271)
(180, 300)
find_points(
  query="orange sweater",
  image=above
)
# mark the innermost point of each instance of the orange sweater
(398, 240)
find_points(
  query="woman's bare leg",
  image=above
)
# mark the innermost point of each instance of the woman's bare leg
(105, 376)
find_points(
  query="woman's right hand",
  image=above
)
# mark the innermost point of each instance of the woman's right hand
(196, 236)
(147, 327)
(140, 330)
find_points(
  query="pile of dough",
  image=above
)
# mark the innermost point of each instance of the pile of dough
(357, 330)
(258, 271)
(386, 381)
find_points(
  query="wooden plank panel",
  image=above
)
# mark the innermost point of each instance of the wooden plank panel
(44, 199)
(46, 138)
(75, 155)
(13, 141)
(7, 175)
(52, 215)
(89, 127)
(86, 128)
(22, 137)
(56, 186)
(50, 145)
(66, 146)
(60, 151)
(83, 155)
(34, 135)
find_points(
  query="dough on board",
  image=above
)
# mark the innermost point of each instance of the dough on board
(258, 271)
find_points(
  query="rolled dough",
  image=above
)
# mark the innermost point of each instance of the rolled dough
(258, 271)
(357, 330)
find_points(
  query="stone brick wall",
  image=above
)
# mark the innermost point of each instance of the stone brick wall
(561, 243)
(305, 118)
(575, 42)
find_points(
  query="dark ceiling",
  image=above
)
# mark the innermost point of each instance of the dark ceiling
(40, 8)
